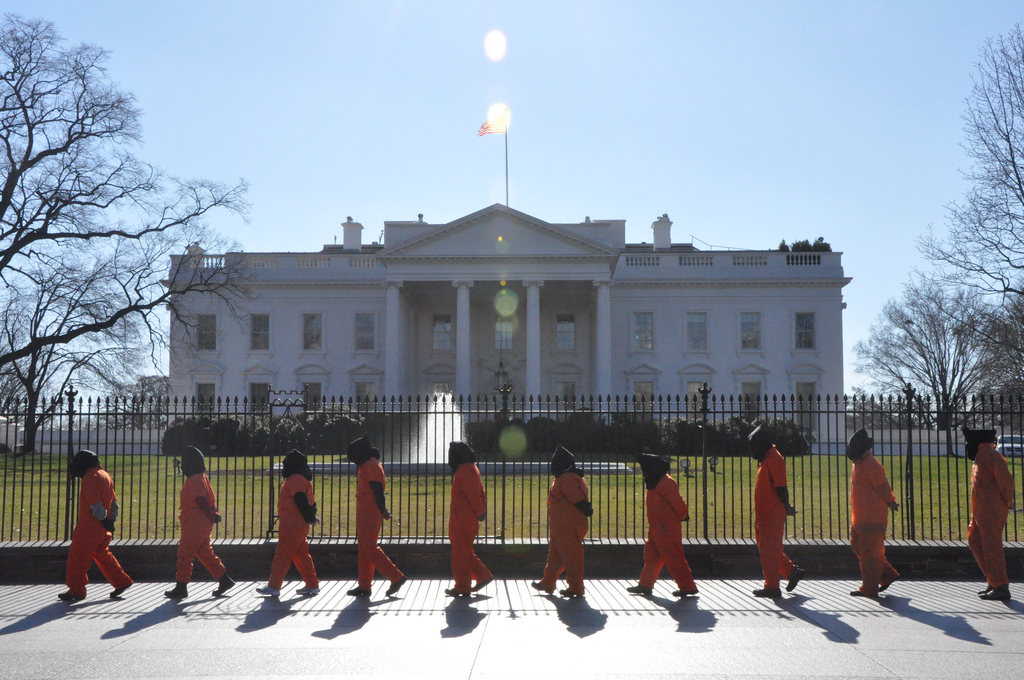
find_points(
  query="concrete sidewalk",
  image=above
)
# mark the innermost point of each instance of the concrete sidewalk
(923, 629)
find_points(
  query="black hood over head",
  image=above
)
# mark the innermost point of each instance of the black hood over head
(192, 461)
(360, 450)
(459, 453)
(975, 437)
(653, 467)
(859, 444)
(83, 461)
(563, 461)
(759, 442)
(295, 463)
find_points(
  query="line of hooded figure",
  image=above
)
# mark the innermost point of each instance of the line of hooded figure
(569, 512)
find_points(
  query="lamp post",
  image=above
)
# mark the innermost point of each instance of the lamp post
(504, 387)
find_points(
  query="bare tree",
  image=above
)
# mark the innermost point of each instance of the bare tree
(926, 338)
(984, 248)
(77, 206)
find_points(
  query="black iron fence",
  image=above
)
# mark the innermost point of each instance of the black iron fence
(704, 436)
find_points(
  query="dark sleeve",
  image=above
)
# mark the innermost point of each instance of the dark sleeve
(586, 507)
(308, 511)
(378, 493)
(204, 505)
(783, 494)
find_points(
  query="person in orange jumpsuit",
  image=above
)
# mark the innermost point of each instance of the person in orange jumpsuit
(467, 509)
(197, 513)
(569, 508)
(296, 512)
(97, 512)
(992, 496)
(371, 513)
(771, 507)
(871, 499)
(664, 546)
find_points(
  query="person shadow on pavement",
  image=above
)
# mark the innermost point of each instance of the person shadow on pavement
(461, 617)
(165, 611)
(687, 615)
(832, 625)
(351, 618)
(50, 612)
(579, 617)
(270, 611)
(953, 625)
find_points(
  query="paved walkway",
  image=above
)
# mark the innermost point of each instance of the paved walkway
(918, 630)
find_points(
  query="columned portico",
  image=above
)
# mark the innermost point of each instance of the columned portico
(393, 357)
(603, 340)
(533, 337)
(463, 364)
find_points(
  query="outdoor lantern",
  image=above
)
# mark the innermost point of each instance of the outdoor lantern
(501, 383)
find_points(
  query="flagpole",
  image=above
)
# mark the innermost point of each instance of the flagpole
(506, 157)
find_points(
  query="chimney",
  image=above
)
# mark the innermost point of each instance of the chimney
(352, 239)
(662, 233)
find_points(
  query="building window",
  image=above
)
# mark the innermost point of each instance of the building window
(259, 396)
(442, 332)
(206, 332)
(565, 332)
(804, 403)
(312, 394)
(503, 331)
(366, 335)
(366, 391)
(259, 331)
(643, 331)
(805, 330)
(312, 331)
(566, 389)
(751, 397)
(205, 394)
(442, 389)
(697, 331)
(750, 330)
(693, 393)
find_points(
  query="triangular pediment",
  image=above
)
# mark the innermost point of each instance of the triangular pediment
(497, 232)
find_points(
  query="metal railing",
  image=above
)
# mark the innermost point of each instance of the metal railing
(703, 436)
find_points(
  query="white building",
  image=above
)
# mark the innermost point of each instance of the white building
(568, 309)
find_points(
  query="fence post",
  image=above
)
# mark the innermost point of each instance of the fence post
(271, 486)
(704, 392)
(69, 498)
(909, 473)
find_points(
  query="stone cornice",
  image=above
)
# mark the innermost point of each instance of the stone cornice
(735, 283)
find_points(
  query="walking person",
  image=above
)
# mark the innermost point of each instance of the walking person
(871, 499)
(992, 497)
(371, 513)
(97, 512)
(664, 547)
(771, 507)
(296, 512)
(197, 513)
(569, 508)
(467, 509)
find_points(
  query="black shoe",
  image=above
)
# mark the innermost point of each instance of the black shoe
(223, 584)
(794, 578)
(68, 597)
(768, 592)
(640, 590)
(988, 589)
(179, 592)
(886, 584)
(860, 593)
(684, 593)
(396, 586)
(538, 586)
(451, 592)
(359, 592)
(480, 585)
(998, 593)
(118, 592)
(571, 594)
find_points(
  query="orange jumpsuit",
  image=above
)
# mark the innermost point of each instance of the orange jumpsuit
(991, 497)
(469, 501)
(196, 528)
(292, 544)
(369, 521)
(567, 526)
(870, 496)
(770, 518)
(664, 547)
(90, 540)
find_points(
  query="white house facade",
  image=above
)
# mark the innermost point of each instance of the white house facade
(568, 309)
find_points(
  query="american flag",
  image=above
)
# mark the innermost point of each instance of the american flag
(495, 126)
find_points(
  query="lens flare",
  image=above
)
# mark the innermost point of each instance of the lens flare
(495, 45)
(506, 302)
(499, 110)
(512, 441)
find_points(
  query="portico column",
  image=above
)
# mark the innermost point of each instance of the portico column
(533, 337)
(394, 352)
(603, 341)
(463, 365)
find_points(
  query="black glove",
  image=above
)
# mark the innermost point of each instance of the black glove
(108, 524)
(586, 507)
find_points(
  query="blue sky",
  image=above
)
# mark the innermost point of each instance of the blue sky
(747, 122)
